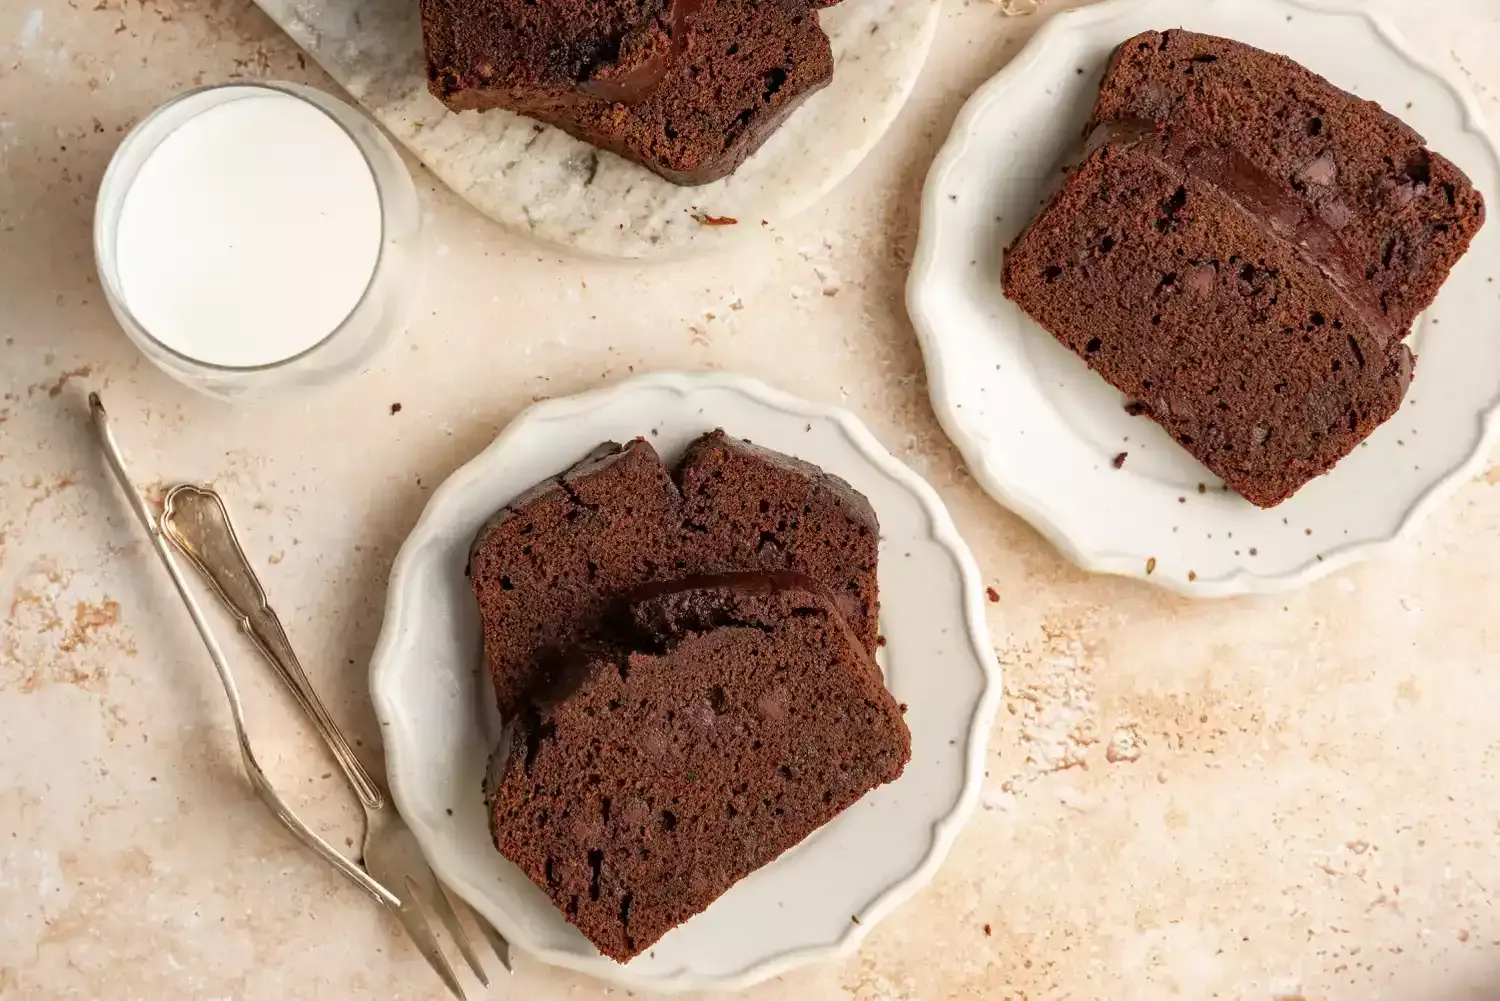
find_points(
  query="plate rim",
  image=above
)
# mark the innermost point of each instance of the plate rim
(942, 530)
(1014, 495)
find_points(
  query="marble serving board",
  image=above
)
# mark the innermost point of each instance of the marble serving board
(543, 183)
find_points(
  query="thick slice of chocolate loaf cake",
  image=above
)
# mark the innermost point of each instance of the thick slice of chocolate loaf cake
(686, 88)
(1194, 283)
(722, 722)
(549, 564)
(1405, 213)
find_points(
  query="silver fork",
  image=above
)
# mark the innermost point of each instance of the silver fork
(197, 522)
(392, 855)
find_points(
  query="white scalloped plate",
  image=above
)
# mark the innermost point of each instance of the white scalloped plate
(541, 182)
(1040, 431)
(437, 719)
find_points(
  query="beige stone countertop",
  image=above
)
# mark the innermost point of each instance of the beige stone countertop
(1316, 814)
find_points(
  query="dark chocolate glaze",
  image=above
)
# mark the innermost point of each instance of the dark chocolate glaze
(1289, 218)
(1405, 213)
(662, 610)
(655, 617)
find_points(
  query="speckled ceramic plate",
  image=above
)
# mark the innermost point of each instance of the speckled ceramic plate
(548, 185)
(1040, 431)
(436, 711)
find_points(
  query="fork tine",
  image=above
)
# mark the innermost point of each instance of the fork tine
(496, 940)
(420, 930)
(444, 908)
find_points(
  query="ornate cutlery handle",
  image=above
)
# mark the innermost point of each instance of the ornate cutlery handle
(197, 522)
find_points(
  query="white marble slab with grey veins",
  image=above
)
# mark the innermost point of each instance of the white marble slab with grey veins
(543, 183)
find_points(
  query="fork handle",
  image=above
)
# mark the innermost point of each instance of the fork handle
(258, 781)
(196, 521)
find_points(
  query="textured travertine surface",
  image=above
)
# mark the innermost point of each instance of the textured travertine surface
(1288, 798)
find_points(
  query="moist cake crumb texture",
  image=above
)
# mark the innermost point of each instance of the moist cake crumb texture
(716, 723)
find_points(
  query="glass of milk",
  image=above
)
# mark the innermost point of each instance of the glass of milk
(254, 238)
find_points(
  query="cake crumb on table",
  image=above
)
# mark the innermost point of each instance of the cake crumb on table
(395, 408)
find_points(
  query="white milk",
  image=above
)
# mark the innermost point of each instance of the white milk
(250, 233)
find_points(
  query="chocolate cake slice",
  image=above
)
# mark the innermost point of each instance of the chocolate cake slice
(1198, 285)
(687, 88)
(1405, 213)
(722, 723)
(548, 565)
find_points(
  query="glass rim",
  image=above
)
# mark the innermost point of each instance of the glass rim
(109, 276)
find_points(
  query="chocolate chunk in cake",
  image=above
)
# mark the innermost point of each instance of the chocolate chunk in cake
(1405, 213)
(686, 88)
(722, 722)
(1198, 286)
(548, 565)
